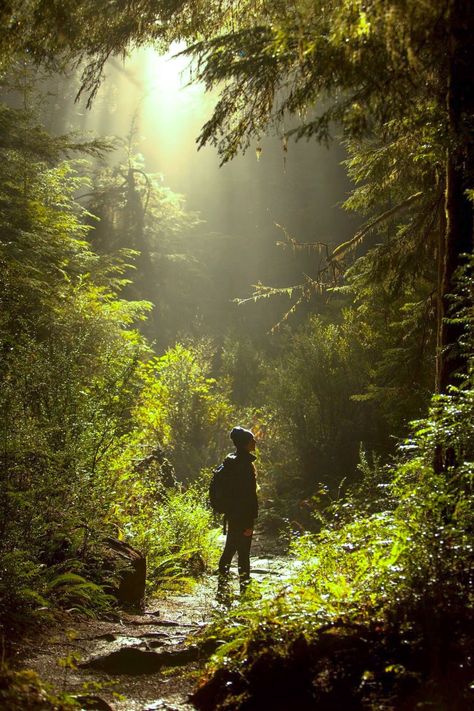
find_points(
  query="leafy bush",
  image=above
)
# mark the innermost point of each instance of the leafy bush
(24, 690)
(401, 575)
(177, 536)
(20, 585)
(68, 368)
(314, 426)
(185, 409)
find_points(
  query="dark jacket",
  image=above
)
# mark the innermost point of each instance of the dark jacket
(242, 506)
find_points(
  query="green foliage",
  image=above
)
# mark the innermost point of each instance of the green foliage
(68, 371)
(243, 366)
(396, 334)
(133, 210)
(400, 571)
(72, 591)
(353, 376)
(84, 403)
(462, 312)
(315, 426)
(177, 536)
(392, 564)
(186, 415)
(185, 409)
(268, 63)
(20, 690)
(20, 582)
(82, 409)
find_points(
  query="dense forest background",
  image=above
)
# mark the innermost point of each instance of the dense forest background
(146, 309)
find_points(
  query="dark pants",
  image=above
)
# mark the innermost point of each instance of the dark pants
(239, 543)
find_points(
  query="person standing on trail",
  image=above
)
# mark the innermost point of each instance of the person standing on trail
(239, 504)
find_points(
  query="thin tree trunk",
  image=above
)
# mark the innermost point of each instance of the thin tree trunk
(458, 238)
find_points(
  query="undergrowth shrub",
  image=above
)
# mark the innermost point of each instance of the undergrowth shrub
(23, 689)
(20, 582)
(177, 536)
(184, 408)
(72, 591)
(319, 411)
(402, 572)
(82, 398)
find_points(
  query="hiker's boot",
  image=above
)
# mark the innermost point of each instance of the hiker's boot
(223, 595)
(244, 581)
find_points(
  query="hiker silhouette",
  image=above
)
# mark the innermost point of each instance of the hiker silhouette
(234, 489)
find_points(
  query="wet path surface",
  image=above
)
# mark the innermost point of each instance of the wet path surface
(143, 662)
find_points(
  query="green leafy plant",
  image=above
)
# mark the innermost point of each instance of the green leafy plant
(398, 574)
(75, 592)
(23, 689)
(177, 536)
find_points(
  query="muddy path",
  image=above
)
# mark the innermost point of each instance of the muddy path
(145, 662)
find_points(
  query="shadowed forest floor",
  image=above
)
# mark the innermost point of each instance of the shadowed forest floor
(137, 662)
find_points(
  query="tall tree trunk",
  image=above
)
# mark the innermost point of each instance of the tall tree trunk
(458, 238)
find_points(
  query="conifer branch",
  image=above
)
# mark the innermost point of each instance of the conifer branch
(354, 242)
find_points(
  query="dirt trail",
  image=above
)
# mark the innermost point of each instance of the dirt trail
(151, 660)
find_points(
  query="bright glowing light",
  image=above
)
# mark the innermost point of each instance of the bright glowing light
(172, 109)
(166, 77)
(153, 93)
(166, 72)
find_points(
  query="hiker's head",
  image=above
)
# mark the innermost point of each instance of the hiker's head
(243, 439)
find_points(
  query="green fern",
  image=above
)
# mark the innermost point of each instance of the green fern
(73, 591)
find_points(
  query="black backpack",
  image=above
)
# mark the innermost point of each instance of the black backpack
(219, 488)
